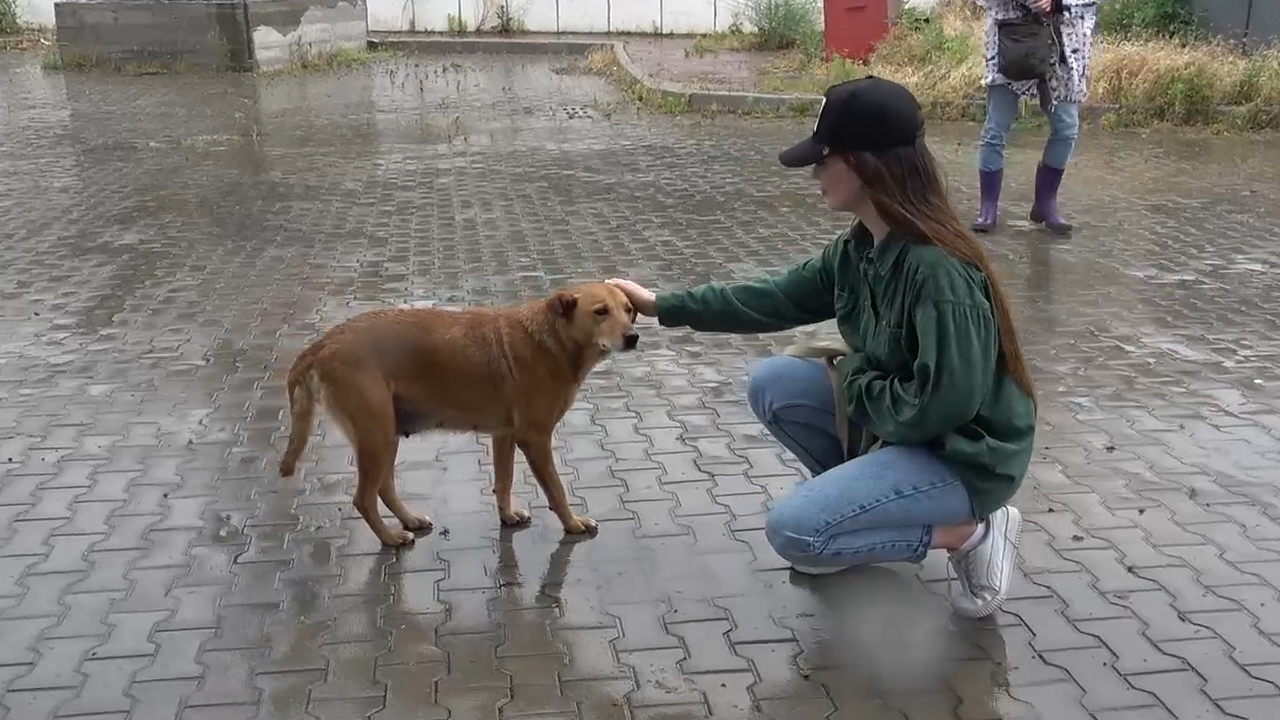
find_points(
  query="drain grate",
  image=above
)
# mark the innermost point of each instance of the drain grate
(577, 112)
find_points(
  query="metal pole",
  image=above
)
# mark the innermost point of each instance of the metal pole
(1248, 21)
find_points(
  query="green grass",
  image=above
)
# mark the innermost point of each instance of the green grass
(1150, 60)
(305, 60)
(10, 24)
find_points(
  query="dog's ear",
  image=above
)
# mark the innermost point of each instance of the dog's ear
(563, 304)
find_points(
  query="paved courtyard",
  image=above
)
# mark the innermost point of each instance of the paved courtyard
(170, 243)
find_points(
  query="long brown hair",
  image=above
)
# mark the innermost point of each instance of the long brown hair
(906, 189)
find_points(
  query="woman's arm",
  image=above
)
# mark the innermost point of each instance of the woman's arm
(952, 372)
(803, 295)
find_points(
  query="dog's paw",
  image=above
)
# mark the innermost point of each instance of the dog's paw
(515, 517)
(397, 538)
(581, 525)
(417, 522)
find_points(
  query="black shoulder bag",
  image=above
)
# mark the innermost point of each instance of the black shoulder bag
(1027, 47)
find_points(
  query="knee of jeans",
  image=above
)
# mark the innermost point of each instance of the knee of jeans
(992, 135)
(1065, 134)
(764, 383)
(790, 531)
(995, 130)
(1064, 124)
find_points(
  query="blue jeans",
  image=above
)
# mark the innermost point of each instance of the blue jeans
(1002, 110)
(877, 508)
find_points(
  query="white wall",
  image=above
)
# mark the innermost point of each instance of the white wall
(566, 16)
(570, 16)
(36, 12)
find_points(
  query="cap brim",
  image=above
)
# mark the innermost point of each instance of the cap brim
(803, 154)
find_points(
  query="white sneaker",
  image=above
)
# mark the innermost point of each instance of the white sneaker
(985, 572)
(808, 570)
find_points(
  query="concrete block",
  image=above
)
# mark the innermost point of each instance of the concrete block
(1264, 23)
(1228, 18)
(229, 35)
(285, 31)
(207, 34)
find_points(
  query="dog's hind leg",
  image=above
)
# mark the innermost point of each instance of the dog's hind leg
(374, 464)
(364, 410)
(412, 521)
(542, 461)
(504, 474)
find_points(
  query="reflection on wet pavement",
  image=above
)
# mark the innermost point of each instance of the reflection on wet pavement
(172, 242)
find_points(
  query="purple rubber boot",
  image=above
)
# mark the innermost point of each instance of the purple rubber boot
(989, 182)
(1045, 209)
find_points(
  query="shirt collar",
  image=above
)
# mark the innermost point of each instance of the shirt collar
(882, 255)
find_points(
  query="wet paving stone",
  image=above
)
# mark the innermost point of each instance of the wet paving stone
(171, 242)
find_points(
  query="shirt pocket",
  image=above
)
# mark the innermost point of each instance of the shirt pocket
(856, 318)
(891, 349)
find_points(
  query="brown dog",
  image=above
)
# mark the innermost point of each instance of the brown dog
(511, 373)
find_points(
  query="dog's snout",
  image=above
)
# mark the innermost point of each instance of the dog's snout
(630, 340)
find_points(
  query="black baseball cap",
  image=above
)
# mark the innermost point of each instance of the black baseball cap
(869, 114)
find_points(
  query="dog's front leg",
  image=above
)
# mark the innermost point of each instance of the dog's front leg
(504, 474)
(537, 451)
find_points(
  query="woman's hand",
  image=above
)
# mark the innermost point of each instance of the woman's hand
(1043, 6)
(643, 299)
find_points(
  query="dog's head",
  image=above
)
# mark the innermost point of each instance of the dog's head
(597, 314)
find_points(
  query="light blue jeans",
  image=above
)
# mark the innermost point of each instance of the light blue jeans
(1002, 110)
(878, 508)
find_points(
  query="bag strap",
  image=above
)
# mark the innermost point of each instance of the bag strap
(829, 353)
(1027, 11)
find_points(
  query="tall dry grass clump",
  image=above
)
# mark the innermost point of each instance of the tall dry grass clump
(939, 55)
(1167, 81)
(1151, 76)
(784, 24)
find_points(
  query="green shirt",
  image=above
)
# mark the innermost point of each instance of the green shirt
(925, 368)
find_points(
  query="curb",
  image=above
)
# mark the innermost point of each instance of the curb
(674, 94)
(463, 45)
(721, 100)
(717, 100)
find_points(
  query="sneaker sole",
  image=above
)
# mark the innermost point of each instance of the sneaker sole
(990, 609)
(818, 570)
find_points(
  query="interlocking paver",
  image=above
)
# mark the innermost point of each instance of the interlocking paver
(172, 242)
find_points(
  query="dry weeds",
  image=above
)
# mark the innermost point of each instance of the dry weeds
(1147, 81)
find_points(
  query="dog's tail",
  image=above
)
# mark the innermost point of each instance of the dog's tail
(303, 387)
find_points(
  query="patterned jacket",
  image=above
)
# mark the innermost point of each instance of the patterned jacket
(1069, 82)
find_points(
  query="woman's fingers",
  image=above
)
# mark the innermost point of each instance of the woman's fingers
(642, 298)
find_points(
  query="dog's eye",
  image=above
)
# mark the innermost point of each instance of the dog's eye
(602, 310)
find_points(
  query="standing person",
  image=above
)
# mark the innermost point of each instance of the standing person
(1067, 88)
(936, 374)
